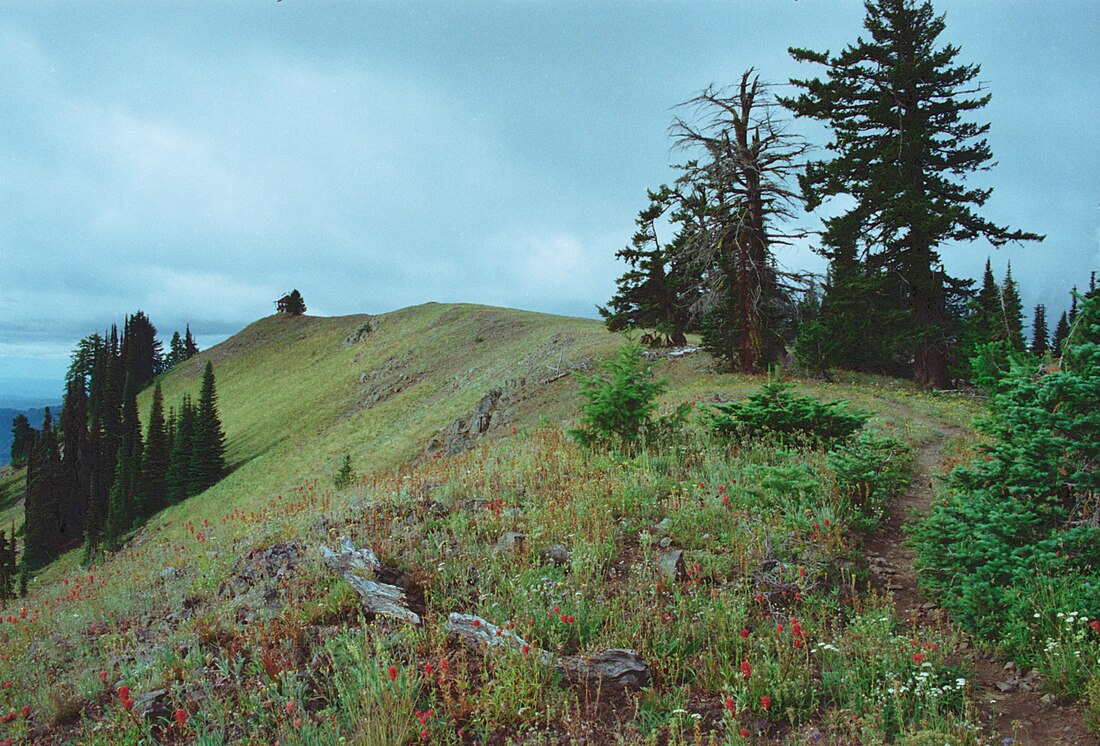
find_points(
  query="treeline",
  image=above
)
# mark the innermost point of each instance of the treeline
(97, 474)
(897, 106)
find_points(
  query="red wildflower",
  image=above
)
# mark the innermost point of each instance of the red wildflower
(744, 634)
(746, 669)
(26, 711)
(290, 706)
(128, 703)
(124, 692)
(730, 706)
(744, 732)
(918, 657)
(392, 673)
(1095, 624)
(766, 702)
(181, 717)
(526, 649)
(427, 669)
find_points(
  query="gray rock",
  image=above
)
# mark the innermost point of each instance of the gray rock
(670, 563)
(557, 555)
(150, 705)
(510, 541)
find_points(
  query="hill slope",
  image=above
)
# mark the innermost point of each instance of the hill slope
(734, 571)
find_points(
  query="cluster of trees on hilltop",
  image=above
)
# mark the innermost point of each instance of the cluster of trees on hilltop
(897, 105)
(97, 474)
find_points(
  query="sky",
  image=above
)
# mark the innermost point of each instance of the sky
(197, 160)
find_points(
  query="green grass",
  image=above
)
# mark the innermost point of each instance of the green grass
(292, 660)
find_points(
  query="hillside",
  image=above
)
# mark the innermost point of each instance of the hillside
(735, 572)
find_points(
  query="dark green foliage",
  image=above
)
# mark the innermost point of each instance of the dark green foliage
(175, 354)
(292, 303)
(142, 357)
(179, 468)
(1012, 315)
(8, 569)
(774, 411)
(208, 445)
(76, 475)
(1040, 337)
(84, 357)
(620, 401)
(123, 509)
(1061, 331)
(655, 293)
(1022, 515)
(345, 477)
(190, 347)
(42, 520)
(153, 489)
(22, 440)
(870, 469)
(896, 104)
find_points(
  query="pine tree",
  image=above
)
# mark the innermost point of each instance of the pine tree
(1012, 314)
(7, 576)
(22, 440)
(986, 309)
(208, 449)
(190, 347)
(179, 466)
(122, 510)
(1040, 337)
(76, 469)
(41, 522)
(651, 295)
(1061, 331)
(1073, 305)
(142, 357)
(295, 303)
(156, 459)
(175, 351)
(896, 104)
(104, 436)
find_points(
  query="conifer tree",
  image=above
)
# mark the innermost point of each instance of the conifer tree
(155, 461)
(208, 449)
(141, 351)
(41, 522)
(104, 435)
(76, 468)
(7, 574)
(895, 102)
(190, 347)
(295, 303)
(22, 440)
(179, 467)
(652, 294)
(122, 510)
(175, 351)
(986, 310)
(1012, 314)
(1040, 337)
(1073, 305)
(1061, 331)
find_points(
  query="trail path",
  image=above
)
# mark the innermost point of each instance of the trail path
(1010, 699)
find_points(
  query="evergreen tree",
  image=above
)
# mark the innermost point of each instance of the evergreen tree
(295, 303)
(156, 459)
(41, 522)
(22, 440)
(83, 358)
(1061, 331)
(190, 347)
(896, 103)
(142, 357)
(208, 448)
(1012, 314)
(651, 295)
(1040, 337)
(7, 576)
(179, 466)
(986, 310)
(1073, 305)
(176, 353)
(104, 437)
(76, 468)
(122, 510)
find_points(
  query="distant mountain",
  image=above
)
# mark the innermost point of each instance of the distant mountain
(7, 415)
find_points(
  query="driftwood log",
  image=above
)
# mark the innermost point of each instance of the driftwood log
(617, 668)
(358, 566)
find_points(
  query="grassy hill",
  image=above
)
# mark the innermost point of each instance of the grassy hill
(766, 628)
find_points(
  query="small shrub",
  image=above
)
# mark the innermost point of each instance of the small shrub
(621, 400)
(870, 468)
(792, 419)
(345, 477)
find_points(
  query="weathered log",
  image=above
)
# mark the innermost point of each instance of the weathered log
(357, 566)
(617, 668)
(481, 635)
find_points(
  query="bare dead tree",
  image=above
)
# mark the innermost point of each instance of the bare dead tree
(736, 196)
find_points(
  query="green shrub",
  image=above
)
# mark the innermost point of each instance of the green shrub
(1022, 515)
(870, 468)
(621, 403)
(791, 419)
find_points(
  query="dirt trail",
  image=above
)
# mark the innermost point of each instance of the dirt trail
(1010, 699)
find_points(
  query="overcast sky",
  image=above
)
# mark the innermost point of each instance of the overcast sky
(195, 160)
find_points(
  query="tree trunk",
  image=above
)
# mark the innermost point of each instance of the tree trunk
(930, 362)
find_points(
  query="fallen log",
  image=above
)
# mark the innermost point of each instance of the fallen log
(357, 566)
